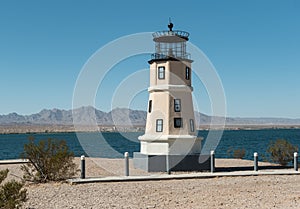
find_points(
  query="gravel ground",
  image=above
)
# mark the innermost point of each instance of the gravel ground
(225, 192)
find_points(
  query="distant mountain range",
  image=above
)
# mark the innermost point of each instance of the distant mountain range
(121, 116)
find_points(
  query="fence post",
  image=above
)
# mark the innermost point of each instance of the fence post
(168, 170)
(126, 155)
(82, 176)
(295, 161)
(212, 161)
(255, 161)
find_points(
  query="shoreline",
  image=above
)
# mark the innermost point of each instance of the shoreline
(52, 129)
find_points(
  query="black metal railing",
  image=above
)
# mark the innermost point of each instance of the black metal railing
(157, 56)
(179, 33)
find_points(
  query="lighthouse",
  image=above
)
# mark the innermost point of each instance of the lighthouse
(170, 141)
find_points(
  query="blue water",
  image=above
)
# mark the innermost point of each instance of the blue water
(253, 141)
(113, 145)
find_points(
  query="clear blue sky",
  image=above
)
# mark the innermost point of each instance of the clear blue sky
(254, 46)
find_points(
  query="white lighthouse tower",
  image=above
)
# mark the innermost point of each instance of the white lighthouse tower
(170, 141)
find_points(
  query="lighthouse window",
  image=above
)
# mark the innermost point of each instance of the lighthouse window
(159, 125)
(177, 122)
(192, 127)
(150, 106)
(177, 105)
(187, 73)
(161, 72)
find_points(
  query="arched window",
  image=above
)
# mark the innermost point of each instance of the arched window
(192, 126)
(150, 106)
(161, 72)
(178, 122)
(187, 73)
(177, 105)
(159, 125)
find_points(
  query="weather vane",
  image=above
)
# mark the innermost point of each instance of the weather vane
(170, 26)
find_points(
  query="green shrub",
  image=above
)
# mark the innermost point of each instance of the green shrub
(11, 193)
(3, 175)
(237, 153)
(281, 151)
(50, 160)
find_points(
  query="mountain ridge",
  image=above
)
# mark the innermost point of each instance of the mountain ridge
(123, 116)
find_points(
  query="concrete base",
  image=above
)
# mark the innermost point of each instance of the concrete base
(157, 163)
(172, 144)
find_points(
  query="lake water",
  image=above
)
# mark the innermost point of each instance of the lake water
(113, 145)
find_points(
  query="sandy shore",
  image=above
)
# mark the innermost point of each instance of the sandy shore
(224, 192)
